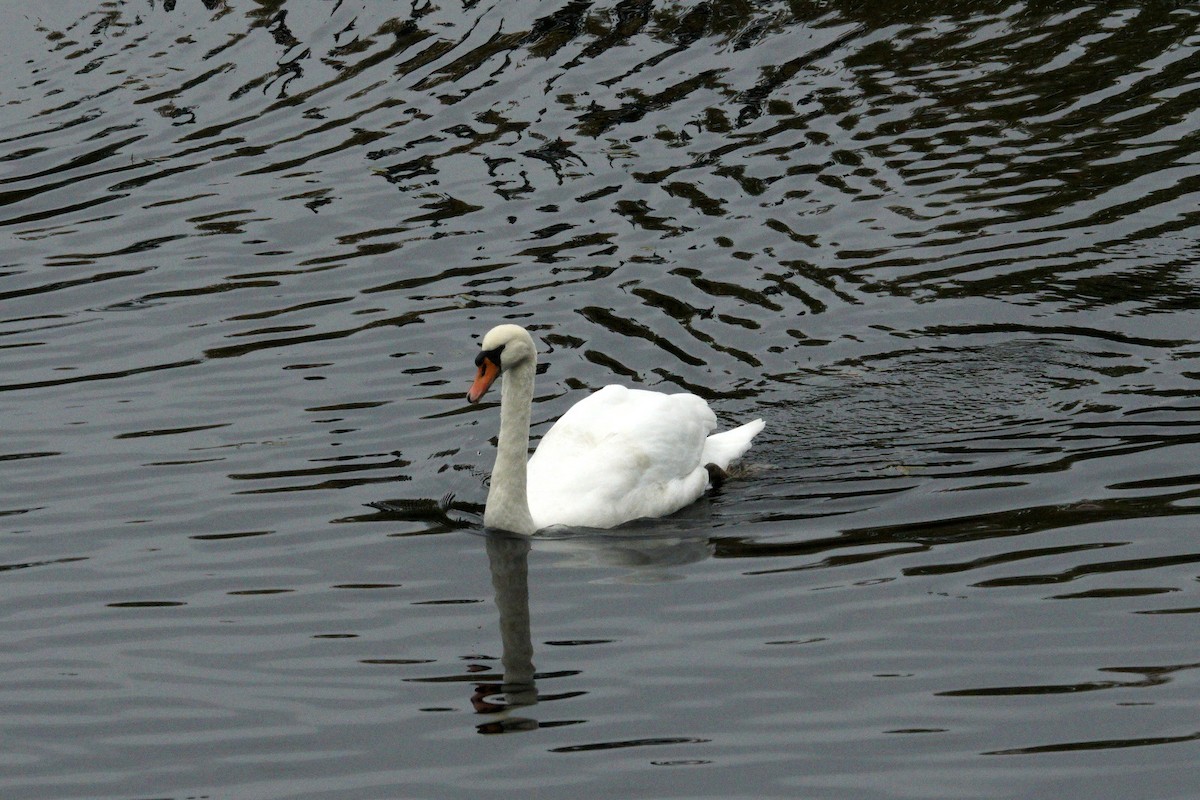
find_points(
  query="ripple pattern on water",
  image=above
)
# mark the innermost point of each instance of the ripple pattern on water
(948, 252)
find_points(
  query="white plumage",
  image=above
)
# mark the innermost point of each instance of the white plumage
(617, 455)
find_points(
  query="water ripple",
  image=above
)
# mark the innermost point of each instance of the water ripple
(946, 251)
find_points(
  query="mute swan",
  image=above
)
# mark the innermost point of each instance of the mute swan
(617, 455)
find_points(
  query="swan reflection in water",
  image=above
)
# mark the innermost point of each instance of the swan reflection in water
(508, 559)
(647, 556)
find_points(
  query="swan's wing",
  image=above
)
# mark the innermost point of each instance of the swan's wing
(620, 454)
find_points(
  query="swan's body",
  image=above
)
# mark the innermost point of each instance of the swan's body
(617, 455)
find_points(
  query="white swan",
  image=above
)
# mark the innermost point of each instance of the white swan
(617, 455)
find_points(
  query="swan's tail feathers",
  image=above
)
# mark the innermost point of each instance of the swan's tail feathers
(728, 446)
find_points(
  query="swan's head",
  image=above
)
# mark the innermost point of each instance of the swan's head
(504, 347)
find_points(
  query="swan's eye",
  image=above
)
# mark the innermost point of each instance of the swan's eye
(492, 355)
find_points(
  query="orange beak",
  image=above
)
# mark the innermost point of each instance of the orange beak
(484, 378)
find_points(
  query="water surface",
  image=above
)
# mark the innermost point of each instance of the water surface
(948, 252)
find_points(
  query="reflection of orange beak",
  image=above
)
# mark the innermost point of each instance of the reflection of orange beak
(488, 372)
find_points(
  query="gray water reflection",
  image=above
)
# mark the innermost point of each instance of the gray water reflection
(509, 563)
(947, 250)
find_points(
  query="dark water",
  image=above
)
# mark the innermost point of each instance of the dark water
(947, 250)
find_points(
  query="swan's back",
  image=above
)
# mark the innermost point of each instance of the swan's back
(620, 454)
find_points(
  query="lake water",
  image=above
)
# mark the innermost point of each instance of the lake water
(948, 251)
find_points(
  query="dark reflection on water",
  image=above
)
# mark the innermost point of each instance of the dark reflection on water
(948, 251)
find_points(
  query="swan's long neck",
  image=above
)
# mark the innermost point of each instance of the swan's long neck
(508, 498)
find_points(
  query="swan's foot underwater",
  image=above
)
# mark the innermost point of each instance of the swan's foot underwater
(716, 475)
